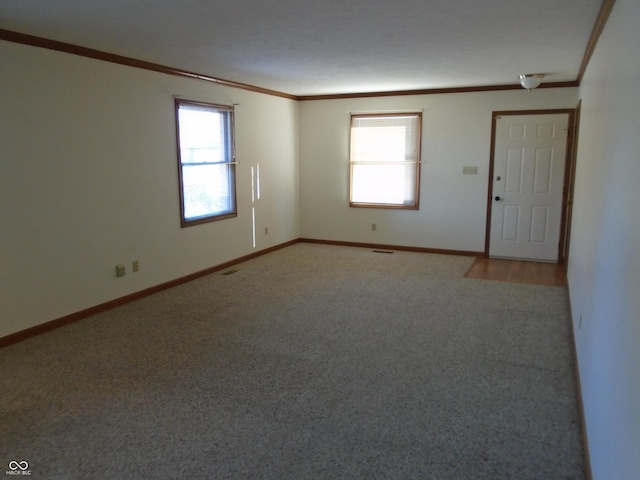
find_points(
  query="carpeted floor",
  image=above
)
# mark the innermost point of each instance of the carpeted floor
(311, 362)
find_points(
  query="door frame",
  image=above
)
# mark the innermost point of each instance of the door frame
(569, 170)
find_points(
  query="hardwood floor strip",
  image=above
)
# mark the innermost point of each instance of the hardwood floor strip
(518, 271)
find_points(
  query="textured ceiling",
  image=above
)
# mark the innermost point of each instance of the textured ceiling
(304, 47)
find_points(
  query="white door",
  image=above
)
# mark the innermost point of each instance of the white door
(528, 178)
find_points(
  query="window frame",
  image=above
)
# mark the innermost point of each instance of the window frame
(418, 144)
(230, 156)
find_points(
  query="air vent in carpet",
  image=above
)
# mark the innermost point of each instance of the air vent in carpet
(228, 272)
(382, 251)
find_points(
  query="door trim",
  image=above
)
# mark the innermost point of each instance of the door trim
(570, 178)
(567, 181)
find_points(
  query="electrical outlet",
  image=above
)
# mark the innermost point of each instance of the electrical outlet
(135, 266)
(121, 270)
(266, 230)
(373, 227)
(580, 322)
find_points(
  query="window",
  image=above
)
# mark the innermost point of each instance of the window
(206, 162)
(385, 160)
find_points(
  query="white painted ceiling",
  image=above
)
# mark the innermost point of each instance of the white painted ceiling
(304, 47)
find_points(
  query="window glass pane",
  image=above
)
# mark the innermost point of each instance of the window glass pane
(207, 189)
(378, 144)
(385, 159)
(201, 136)
(380, 184)
(206, 158)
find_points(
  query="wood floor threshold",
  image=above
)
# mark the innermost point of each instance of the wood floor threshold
(518, 271)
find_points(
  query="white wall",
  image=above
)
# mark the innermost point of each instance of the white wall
(604, 262)
(88, 180)
(453, 206)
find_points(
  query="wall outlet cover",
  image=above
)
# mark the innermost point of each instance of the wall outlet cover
(120, 270)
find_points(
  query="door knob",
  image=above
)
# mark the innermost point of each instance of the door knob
(498, 199)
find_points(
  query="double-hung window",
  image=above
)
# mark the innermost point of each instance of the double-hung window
(385, 160)
(206, 162)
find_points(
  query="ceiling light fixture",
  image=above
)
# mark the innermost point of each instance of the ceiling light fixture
(531, 80)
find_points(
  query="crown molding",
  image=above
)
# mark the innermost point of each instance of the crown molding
(434, 91)
(598, 27)
(35, 41)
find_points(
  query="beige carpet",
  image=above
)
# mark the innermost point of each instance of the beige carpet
(314, 361)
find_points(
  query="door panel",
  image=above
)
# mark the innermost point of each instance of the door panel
(528, 176)
(539, 224)
(542, 171)
(513, 175)
(510, 223)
